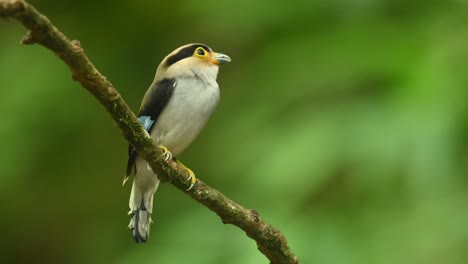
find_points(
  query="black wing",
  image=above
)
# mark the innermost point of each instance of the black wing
(155, 100)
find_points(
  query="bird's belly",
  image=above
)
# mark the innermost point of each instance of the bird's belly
(180, 136)
(182, 121)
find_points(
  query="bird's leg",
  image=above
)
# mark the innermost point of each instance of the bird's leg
(191, 177)
(166, 153)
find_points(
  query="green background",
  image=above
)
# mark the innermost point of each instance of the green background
(343, 123)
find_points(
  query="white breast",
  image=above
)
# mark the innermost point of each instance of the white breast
(188, 110)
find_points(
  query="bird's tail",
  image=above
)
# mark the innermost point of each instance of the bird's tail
(141, 207)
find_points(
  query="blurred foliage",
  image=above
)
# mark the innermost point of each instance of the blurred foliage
(343, 123)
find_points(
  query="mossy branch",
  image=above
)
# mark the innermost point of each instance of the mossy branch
(270, 240)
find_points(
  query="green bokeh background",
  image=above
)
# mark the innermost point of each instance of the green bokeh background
(343, 123)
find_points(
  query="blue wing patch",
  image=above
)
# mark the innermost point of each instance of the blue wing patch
(147, 124)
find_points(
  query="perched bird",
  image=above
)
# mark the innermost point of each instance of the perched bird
(174, 110)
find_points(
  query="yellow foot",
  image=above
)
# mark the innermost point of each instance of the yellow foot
(166, 153)
(191, 177)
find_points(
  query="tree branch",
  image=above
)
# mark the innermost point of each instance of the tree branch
(270, 240)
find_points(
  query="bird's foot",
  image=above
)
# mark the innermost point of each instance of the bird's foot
(166, 153)
(191, 177)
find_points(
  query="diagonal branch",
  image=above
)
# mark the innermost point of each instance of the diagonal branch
(270, 240)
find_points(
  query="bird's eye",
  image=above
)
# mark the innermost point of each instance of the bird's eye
(200, 52)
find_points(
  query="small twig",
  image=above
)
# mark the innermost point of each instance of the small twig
(270, 240)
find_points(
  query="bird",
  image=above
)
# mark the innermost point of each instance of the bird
(174, 110)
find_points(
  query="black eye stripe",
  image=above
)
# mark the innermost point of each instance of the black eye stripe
(184, 53)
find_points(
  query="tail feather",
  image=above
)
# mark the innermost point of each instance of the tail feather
(140, 223)
(141, 206)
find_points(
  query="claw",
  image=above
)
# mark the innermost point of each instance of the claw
(166, 153)
(191, 178)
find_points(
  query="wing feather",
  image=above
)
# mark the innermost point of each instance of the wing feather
(154, 102)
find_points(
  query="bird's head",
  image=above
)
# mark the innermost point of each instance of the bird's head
(189, 60)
